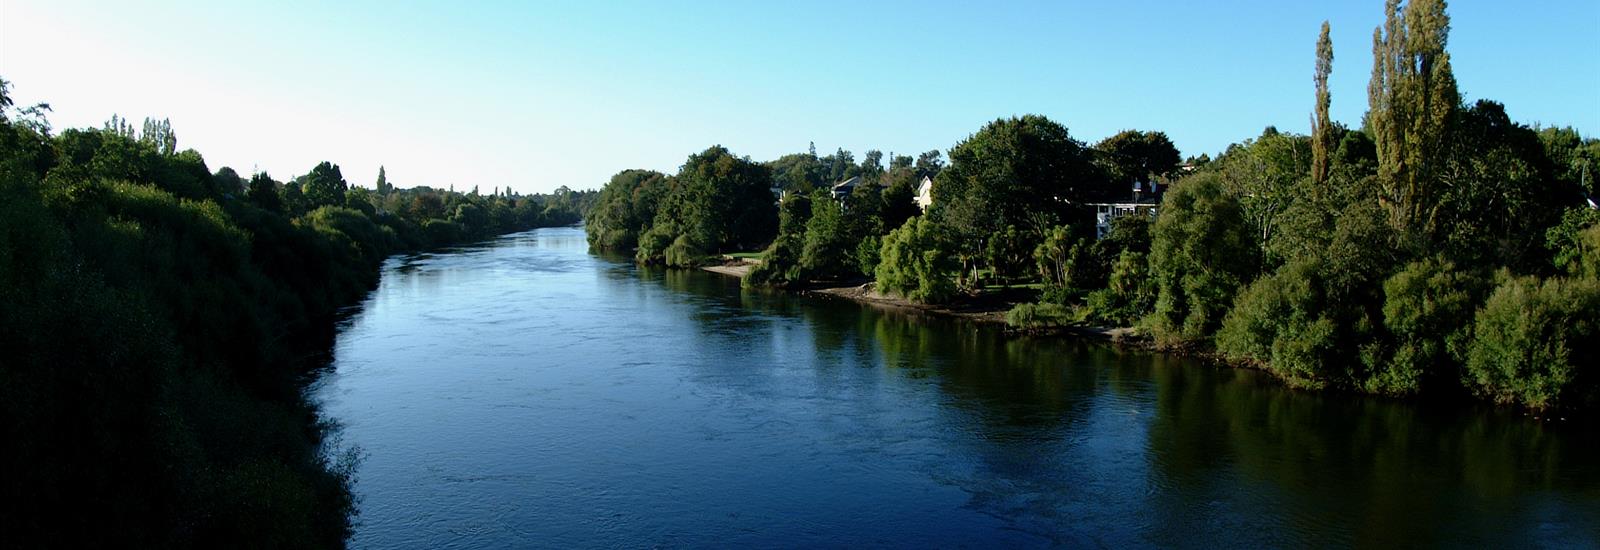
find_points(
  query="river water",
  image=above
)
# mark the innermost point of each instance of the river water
(527, 392)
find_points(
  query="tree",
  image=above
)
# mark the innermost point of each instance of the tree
(1017, 171)
(383, 187)
(1053, 255)
(900, 161)
(1008, 252)
(361, 200)
(798, 173)
(1535, 343)
(1323, 135)
(1499, 192)
(1576, 159)
(264, 193)
(159, 134)
(1264, 176)
(1427, 310)
(626, 208)
(929, 164)
(839, 166)
(325, 185)
(293, 199)
(829, 243)
(899, 197)
(872, 166)
(1574, 244)
(1316, 320)
(1201, 252)
(228, 181)
(721, 202)
(915, 263)
(1412, 103)
(472, 218)
(1130, 156)
(1129, 294)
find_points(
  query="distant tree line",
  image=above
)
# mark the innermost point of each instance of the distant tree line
(157, 322)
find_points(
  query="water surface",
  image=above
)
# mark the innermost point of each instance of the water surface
(529, 393)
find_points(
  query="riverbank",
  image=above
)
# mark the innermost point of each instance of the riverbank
(989, 308)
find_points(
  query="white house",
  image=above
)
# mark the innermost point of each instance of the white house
(1141, 205)
(1105, 212)
(925, 193)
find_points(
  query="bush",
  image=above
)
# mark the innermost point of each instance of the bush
(1574, 244)
(1130, 294)
(868, 254)
(1279, 321)
(779, 264)
(1534, 343)
(1060, 295)
(916, 263)
(1428, 308)
(439, 232)
(683, 253)
(1037, 316)
(653, 244)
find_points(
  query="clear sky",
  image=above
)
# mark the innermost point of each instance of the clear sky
(536, 95)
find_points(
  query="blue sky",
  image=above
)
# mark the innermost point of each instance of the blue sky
(541, 94)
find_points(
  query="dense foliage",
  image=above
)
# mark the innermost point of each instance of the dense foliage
(158, 320)
(916, 262)
(719, 203)
(1439, 248)
(1378, 257)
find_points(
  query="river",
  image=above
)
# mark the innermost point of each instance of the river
(527, 392)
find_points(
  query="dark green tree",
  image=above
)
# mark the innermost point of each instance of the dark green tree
(1018, 171)
(1130, 156)
(228, 181)
(1201, 253)
(325, 185)
(264, 193)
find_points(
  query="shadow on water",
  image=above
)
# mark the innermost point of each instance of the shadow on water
(1203, 455)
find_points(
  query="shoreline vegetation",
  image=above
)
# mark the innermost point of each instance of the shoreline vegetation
(161, 321)
(1436, 250)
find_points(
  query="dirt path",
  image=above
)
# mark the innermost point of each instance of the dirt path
(732, 270)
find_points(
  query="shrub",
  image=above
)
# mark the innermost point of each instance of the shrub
(1037, 316)
(653, 244)
(1279, 321)
(868, 254)
(1427, 310)
(442, 233)
(683, 253)
(779, 264)
(1534, 343)
(1130, 294)
(916, 263)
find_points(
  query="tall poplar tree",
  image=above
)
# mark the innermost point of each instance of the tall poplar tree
(383, 183)
(1323, 140)
(1412, 103)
